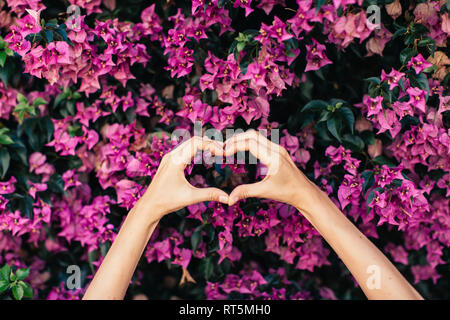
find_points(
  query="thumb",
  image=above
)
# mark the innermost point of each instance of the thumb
(210, 194)
(246, 191)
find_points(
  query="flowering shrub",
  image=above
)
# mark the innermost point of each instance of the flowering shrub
(91, 93)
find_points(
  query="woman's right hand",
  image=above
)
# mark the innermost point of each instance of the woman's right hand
(284, 182)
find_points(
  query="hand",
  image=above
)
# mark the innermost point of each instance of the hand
(170, 191)
(284, 182)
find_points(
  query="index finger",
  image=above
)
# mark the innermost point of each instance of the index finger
(257, 149)
(184, 153)
(252, 134)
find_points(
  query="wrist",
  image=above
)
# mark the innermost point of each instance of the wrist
(309, 197)
(318, 206)
(147, 208)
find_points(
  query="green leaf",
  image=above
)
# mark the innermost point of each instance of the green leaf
(76, 95)
(5, 139)
(354, 142)
(324, 116)
(4, 161)
(7, 72)
(409, 39)
(21, 98)
(28, 207)
(39, 101)
(373, 80)
(396, 183)
(369, 180)
(334, 127)
(431, 69)
(349, 117)
(369, 200)
(24, 108)
(48, 35)
(22, 273)
(399, 32)
(62, 33)
(425, 41)
(368, 137)
(5, 271)
(2, 58)
(17, 291)
(322, 131)
(196, 238)
(62, 96)
(319, 3)
(420, 81)
(406, 55)
(419, 29)
(27, 290)
(207, 268)
(210, 232)
(381, 160)
(315, 105)
(371, 196)
(3, 285)
(240, 46)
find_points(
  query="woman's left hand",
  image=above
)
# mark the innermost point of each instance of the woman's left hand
(169, 190)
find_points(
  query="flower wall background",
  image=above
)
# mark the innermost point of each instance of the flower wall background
(89, 97)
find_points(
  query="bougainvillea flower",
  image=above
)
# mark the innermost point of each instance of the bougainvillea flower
(418, 63)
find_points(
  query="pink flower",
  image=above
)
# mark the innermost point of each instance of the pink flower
(36, 187)
(57, 52)
(163, 250)
(128, 193)
(392, 78)
(16, 223)
(90, 137)
(424, 272)
(376, 44)
(29, 24)
(244, 4)
(8, 186)
(38, 165)
(398, 253)
(445, 25)
(304, 15)
(374, 105)
(417, 98)
(70, 179)
(315, 56)
(418, 63)
(182, 257)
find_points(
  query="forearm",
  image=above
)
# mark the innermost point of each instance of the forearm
(113, 276)
(358, 253)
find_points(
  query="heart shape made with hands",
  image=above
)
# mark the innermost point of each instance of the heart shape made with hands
(267, 152)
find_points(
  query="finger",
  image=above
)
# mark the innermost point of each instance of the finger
(258, 150)
(209, 194)
(244, 191)
(252, 134)
(184, 154)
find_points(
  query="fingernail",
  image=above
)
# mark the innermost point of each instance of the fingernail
(223, 199)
